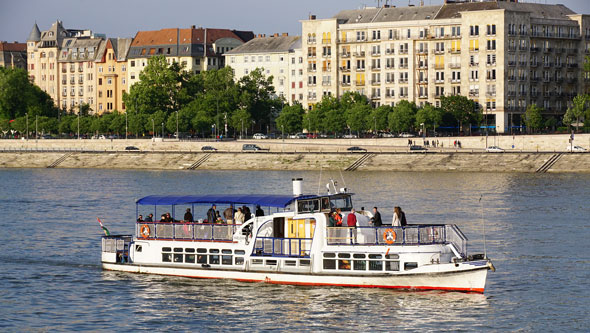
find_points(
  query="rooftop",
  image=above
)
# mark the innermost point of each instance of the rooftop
(268, 45)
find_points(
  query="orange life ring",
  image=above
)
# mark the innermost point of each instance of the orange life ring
(144, 231)
(389, 236)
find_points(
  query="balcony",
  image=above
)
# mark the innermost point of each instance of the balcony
(473, 79)
(547, 49)
(572, 65)
(534, 49)
(512, 78)
(473, 93)
(359, 69)
(534, 94)
(80, 69)
(522, 63)
(64, 93)
(359, 54)
(534, 64)
(375, 54)
(534, 79)
(326, 41)
(490, 94)
(511, 93)
(403, 95)
(490, 64)
(345, 83)
(326, 55)
(72, 93)
(311, 69)
(454, 51)
(345, 69)
(389, 51)
(311, 84)
(522, 48)
(72, 81)
(403, 66)
(311, 55)
(522, 78)
(559, 80)
(345, 54)
(474, 64)
(572, 80)
(326, 83)
(438, 51)
(546, 79)
(389, 81)
(439, 66)
(490, 79)
(403, 51)
(560, 50)
(423, 66)
(64, 70)
(326, 69)
(423, 81)
(403, 80)
(473, 49)
(558, 65)
(547, 64)
(72, 69)
(454, 81)
(423, 96)
(511, 63)
(80, 81)
(454, 65)
(359, 82)
(511, 48)
(64, 81)
(374, 68)
(375, 82)
(81, 93)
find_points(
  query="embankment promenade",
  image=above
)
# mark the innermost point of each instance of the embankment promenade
(525, 153)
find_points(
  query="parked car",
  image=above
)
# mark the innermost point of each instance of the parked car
(259, 136)
(208, 148)
(417, 148)
(576, 149)
(494, 149)
(298, 136)
(251, 147)
(356, 149)
(349, 136)
(131, 148)
(406, 135)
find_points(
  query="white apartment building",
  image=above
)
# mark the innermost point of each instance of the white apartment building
(277, 56)
(504, 55)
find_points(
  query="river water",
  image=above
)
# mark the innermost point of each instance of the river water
(537, 227)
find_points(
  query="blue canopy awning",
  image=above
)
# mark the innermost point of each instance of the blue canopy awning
(266, 200)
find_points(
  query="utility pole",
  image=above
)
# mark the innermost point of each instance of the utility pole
(78, 124)
(178, 138)
(126, 125)
(37, 130)
(27, 115)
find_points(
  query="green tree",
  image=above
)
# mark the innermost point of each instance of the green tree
(65, 124)
(429, 115)
(257, 96)
(357, 117)
(290, 119)
(379, 117)
(403, 117)
(19, 96)
(334, 121)
(532, 117)
(240, 121)
(577, 110)
(463, 109)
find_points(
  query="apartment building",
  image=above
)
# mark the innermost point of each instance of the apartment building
(111, 71)
(13, 55)
(61, 62)
(504, 55)
(196, 49)
(277, 56)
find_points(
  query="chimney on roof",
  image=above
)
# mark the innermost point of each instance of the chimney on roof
(193, 26)
(276, 34)
(311, 17)
(285, 34)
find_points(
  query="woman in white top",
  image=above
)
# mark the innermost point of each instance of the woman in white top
(396, 217)
(239, 216)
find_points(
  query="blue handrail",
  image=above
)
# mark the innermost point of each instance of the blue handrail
(282, 247)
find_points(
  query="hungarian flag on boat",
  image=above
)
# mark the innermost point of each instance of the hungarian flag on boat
(106, 231)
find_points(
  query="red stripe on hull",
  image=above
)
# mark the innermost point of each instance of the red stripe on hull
(317, 284)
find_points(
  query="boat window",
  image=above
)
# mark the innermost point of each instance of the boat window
(392, 256)
(360, 265)
(166, 257)
(344, 264)
(240, 252)
(374, 256)
(342, 202)
(189, 250)
(410, 265)
(358, 255)
(304, 262)
(325, 203)
(290, 263)
(256, 261)
(190, 258)
(166, 249)
(226, 260)
(239, 260)
(177, 249)
(178, 257)
(201, 259)
(392, 265)
(138, 248)
(343, 255)
(201, 250)
(329, 264)
(329, 255)
(271, 262)
(375, 265)
(214, 260)
(213, 250)
(308, 206)
(225, 251)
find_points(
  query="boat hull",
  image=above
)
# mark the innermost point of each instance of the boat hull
(465, 277)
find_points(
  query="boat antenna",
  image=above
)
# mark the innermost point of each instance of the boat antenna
(320, 180)
(483, 222)
(342, 177)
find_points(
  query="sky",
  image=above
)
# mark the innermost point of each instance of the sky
(123, 18)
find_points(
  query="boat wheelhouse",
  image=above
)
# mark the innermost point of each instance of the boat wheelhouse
(295, 245)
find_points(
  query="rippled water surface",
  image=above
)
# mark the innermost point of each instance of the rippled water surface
(537, 230)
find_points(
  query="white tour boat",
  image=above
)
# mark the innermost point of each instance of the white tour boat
(295, 245)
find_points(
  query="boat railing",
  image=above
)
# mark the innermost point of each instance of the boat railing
(186, 231)
(388, 235)
(282, 247)
(456, 237)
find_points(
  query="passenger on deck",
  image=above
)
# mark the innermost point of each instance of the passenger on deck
(402, 217)
(351, 222)
(163, 218)
(218, 218)
(332, 219)
(247, 214)
(338, 217)
(239, 217)
(228, 213)
(259, 211)
(149, 218)
(140, 218)
(376, 219)
(169, 218)
(397, 222)
(188, 216)
(212, 214)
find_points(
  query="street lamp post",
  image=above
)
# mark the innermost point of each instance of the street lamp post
(153, 129)
(177, 138)
(78, 124)
(423, 133)
(27, 115)
(162, 130)
(36, 127)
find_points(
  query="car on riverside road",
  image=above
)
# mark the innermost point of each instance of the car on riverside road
(418, 148)
(131, 148)
(259, 136)
(356, 149)
(576, 149)
(252, 147)
(494, 149)
(208, 148)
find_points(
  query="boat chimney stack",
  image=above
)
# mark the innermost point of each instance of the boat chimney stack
(297, 186)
